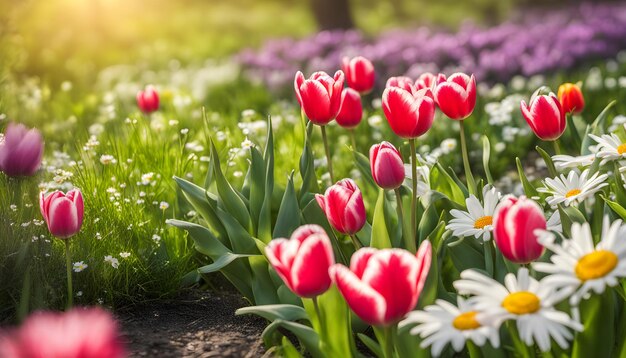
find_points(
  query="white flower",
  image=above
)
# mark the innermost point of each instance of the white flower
(112, 260)
(523, 299)
(247, 144)
(444, 323)
(448, 145)
(156, 238)
(107, 159)
(554, 222)
(610, 147)
(164, 205)
(423, 178)
(577, 267)
(573, 189)
(124, 255)
(563, 161)
(477, 221)
(147, 179)
(79, 266)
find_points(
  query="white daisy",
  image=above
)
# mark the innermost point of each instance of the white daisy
(573, 189)
(79, 266)
(563, 161)
(444, 323)
(477, 221)
(523, 299)
(554, 222)
(610, 147)
(577, 267)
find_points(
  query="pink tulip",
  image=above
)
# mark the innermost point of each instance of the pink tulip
(63, 212)
(515, 221)
(456, 95)
(79, 333)
(426, 80)
(20, 151)
(148, 100)
(545, 116)
(303, 261)
(409, 115)
(382, 286)
(386, 165)
(343, 205)
(402, 82)
(359, 73)
(351, 110)
(319, 96)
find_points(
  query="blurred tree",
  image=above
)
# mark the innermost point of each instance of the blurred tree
(332, 14)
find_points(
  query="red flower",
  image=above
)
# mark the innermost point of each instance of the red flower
(571, 98)
(545, 116)
(382, 286)
(515, 221)
(148, 100)
(303, 261)
(426, 80)
(386, 165)
(351, 110)
(359, 73)
(343, 205)
(319, 96)
(456, 95)
(401, 82)
(409, 115)
(63, 213)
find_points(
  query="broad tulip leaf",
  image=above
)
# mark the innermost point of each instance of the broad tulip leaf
(371, 344)
(363, 165)
(257, 186)
(618, 209)
(288, 350)
(307, 167)
(221, 262)
(598, 336)
(486, 156)
(288, 218)
(529, 189)
(548, 160)
(380, 234)
(307, 336)
(276, 311)
(264, 231)
(240, 239)
(262, 286)
(203, 238)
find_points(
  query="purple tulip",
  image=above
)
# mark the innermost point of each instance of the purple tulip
(20, 151)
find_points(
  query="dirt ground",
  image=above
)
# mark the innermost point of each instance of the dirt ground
(197, 324)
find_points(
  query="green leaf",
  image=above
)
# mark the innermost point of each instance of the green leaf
(204, 240)
(574, 136)
(264, 232)
(428, 222)
(307, 336)
(595, 128)
(443, 182)
(229, 198)
(257, 186)
(288, 350)
(380, 234)
(222, 262)
(618, 209)
(467, 254)
(262, 286)
(598, 336)
(486, 155)
(240, 240)
(529, 189)
(548, 160)
(289, 213)
(274, 312)
(363, 165)
(307, 168)
(371, 344)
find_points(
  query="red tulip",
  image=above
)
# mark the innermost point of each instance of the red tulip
(148, 100)
(351, 111)
(382, 286)
(456, 95)
(63, 212)
(409, 115)
(359, 73)
(79, 333)
(426, 80)
(401, 82)
(20, 151)
(515, 221)
(571, 98)
(343, 205)
(545, 116)
(303, 261)
(319, 96)
(386, 165)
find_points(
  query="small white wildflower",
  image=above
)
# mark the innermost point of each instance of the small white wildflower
(112, 260)
(247, 144)
(184, 131)
(124, 255)
(79, 294)
(156, 238)
(163, 205)
(107, 159)
(79, 266)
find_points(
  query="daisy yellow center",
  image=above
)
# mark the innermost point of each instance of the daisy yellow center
(465, 321)
(483, 221)
(572, 193)
(595, 265)
(522, 302)
(621, 149)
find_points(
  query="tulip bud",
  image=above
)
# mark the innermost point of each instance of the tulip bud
(319, 96)
(571, 98)
(386, 165)
(545, 116)
(456, 95)
(401, 82)
(148, 100)
(62, 212)
(409, 115)
(81, 332)
(351, 110)
(426, 80)
(302, 262)
(515, 221)
(359, 73)
(21, 151)
(382, 286)
(343, 205)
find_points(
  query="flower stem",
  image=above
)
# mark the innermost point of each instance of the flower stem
(557, 147)
(471, 185)
(388, 344)
(328, 157)
(355, 241)
(353, 139)
(409, 243)
(318, 312)
(68, 264)
(413, 194)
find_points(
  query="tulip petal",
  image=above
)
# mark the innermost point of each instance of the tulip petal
(316, 102)
(368, 304)
(281, 253)
(62, 218)
(309, 272)
(359, 260)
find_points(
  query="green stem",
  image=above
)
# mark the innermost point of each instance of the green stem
(557, 147)
(388, 343)
(353, 139)
(414, 193)
(489, 252)
(318, 312)
(355, 241)
(409, 243)
(473, 350)
(328, 157)
(471, 185)
(68, 264)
